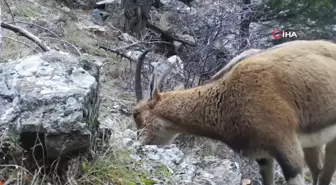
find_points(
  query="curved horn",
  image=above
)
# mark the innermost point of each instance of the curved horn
(138, 87)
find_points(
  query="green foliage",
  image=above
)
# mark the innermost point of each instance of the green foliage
(146, 181)
(162, 170)
(313, 19)
(116, 167)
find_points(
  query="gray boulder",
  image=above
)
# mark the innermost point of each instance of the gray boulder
(51, 96)
(169, 165)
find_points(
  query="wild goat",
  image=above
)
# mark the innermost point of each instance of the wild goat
(239, 58)
(232, 63)
(278, 104)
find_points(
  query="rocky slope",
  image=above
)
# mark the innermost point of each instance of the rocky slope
(120, 159)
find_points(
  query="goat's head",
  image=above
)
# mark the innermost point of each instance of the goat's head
(151, 128)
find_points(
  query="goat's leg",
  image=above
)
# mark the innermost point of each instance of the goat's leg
(329, 164)
(266, 168)
(314, 159)
(289, 155)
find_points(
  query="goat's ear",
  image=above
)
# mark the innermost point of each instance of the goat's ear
(156, 95)
(155, 99)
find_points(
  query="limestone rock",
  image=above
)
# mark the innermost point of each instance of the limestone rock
(50, 94)
(186, 170)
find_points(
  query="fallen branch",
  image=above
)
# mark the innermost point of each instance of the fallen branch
(26, 34)
(53, 33)
(139, 43)
(169, 36)
(120, 49)
(116, 52)
(33, 24)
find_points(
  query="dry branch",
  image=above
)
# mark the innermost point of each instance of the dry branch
(120, 50)
(140, 43)
(26, 34)
(34, 24)
(116, 52)
(169, 36)
(65, 43)
(10, 10)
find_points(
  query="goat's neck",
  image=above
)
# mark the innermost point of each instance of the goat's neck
(193, 111)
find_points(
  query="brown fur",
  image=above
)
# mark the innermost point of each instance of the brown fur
(232, 63)
(239, 58)
(259, 108)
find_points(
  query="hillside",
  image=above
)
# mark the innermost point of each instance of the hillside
(103, 49)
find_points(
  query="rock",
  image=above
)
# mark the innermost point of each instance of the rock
(108, 2)
(50, 94)
(92, 64)
(177, 46)
(177, 5)
(134, 54)
(127, 38)
(129, 134)
(128, 142)
(96, 17)
(175, 76)
(85, 4)
(188, 38)
(187, 170)
(90, 27)
(66, 9)
(115, 11)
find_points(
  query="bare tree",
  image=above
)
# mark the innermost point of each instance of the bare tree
(136, 13)
(246, 19)
(0, 36)
(210, 30)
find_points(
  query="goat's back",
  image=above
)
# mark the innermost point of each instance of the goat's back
(298, 79)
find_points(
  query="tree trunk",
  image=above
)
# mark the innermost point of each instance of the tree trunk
(136, 13)
(157, 3)
(246, 19)
(0, 37)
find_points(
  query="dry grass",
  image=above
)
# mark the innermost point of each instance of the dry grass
(28, 9)
(15, 47)
(106, 163)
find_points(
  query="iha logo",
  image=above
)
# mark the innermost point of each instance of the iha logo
(278, 34)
